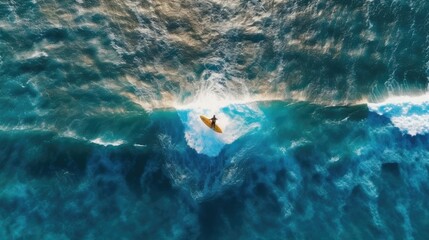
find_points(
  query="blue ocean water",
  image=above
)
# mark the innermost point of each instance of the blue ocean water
(324, 107)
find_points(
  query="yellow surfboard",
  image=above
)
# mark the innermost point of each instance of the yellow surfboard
(208, 122)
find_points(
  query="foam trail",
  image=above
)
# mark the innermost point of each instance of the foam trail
(105, 143)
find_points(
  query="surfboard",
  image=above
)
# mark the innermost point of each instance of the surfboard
(208, 123)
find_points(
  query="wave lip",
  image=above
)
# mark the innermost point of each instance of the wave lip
(408, 113)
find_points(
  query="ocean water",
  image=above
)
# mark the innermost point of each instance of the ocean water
(324, 107)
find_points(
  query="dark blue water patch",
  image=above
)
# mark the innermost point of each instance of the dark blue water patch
(386, 205)
(357, 221)
(56, 35)
(11, 150)
(35, 65)
(98, 18)
(91, 4)
(80, 74)
(31, 66)
(250, 209)
(27, 37)
(420, 219)
(382, 14)
(311, 68)
(269, 58)
(178, 26)
(131, 127)
(4, 10)
(215, 214)
(237, 35)
(374, 69)
(340, 113)
(8, 40)
(353, 4)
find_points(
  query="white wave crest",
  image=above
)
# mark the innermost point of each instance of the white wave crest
(103, 142)
(408, 113)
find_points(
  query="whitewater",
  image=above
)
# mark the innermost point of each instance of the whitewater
(324, 107)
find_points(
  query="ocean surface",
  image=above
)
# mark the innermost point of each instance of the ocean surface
(324, 106)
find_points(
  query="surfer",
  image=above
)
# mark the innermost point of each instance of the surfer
(213, 121)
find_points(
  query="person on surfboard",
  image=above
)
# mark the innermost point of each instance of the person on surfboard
(213, 121)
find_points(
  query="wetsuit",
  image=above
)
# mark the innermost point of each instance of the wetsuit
(213, 121)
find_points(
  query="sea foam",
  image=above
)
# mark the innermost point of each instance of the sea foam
(409, 114)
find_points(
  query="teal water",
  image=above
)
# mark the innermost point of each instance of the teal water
(323, 104)
(343, 172)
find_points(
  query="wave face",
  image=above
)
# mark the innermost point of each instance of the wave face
(343, 172)
(100, 136)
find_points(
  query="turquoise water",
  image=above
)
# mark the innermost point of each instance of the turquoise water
(304, 170)
(323, 104)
